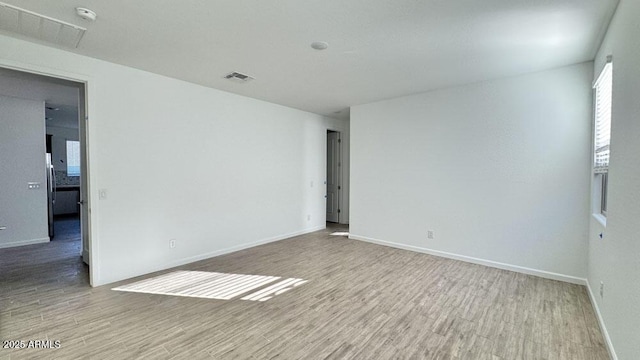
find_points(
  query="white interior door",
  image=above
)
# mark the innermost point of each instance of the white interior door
(333, 176)
(84, 203)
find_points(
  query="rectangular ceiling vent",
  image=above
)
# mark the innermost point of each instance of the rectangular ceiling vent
(27, 23)
(238, 77)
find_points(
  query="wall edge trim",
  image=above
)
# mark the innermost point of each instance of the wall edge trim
(603, 328)
(24, 242)
(211, 254)
(478, 261)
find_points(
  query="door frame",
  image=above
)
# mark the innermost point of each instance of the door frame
(339, 171)
(85, 219)
(87, 83)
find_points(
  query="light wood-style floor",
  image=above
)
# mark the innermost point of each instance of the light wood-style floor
(363, 301)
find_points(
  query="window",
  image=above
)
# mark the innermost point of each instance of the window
(73, 158)
(602, 130)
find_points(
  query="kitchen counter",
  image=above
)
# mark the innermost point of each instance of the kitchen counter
(70, 187)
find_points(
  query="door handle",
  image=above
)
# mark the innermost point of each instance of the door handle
(81, 202)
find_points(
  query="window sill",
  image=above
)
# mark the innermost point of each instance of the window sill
(601, 219)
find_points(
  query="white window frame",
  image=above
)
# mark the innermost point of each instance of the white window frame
(602, 133)
(78, 157)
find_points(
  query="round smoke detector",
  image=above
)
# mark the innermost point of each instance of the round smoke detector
(319, 45)
(86, 14)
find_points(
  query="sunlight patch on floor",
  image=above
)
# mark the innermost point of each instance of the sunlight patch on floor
(212, 285)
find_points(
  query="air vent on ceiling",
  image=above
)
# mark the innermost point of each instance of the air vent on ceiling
(28, 23)
(238, 77)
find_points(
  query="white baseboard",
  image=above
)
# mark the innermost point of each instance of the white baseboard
(241, 247)
(24, 242)
(469, 259)
(211, 254)
(603, 328)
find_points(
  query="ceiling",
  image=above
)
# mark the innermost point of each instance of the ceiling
(378, 49)
(65, 116)
(61, 95)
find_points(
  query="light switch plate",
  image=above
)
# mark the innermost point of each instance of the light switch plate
(33, 185)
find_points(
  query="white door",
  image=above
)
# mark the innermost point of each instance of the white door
(84, 194)
(333, 176)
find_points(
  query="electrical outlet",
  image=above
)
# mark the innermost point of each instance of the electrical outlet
(102, 194)
(172, 243)
(601, 289)
(430, 234)
(308, 217)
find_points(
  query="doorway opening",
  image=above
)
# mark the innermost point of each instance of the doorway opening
(334, 176)
(62, 129)
(55, 223)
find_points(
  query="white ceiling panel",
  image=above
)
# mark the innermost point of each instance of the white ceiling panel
(378, 49)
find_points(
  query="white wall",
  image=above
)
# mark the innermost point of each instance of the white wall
(615, 259)
(346, 168)
(498, 170)
(213, 170)
(22, 160)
